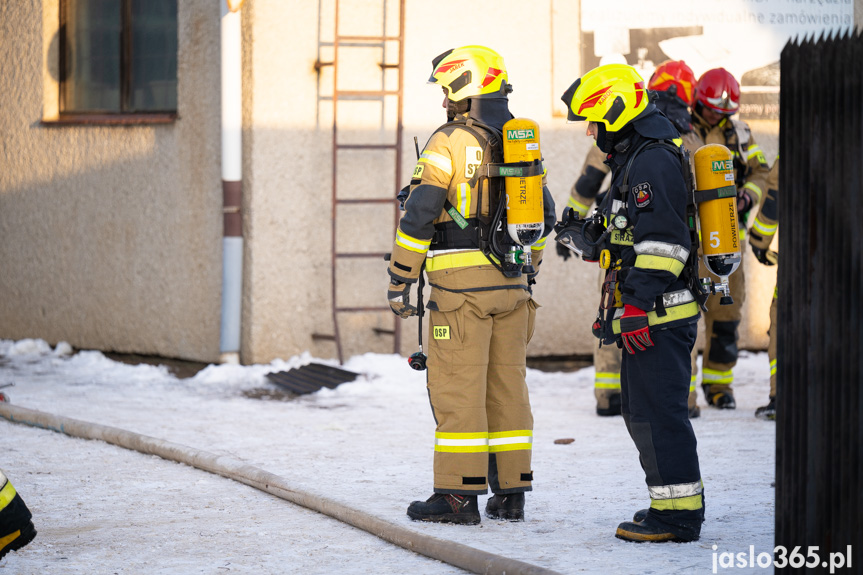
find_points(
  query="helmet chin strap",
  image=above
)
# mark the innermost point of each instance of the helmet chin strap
(455, 108)
(610, 142)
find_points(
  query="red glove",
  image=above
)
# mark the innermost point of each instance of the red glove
(634, 329)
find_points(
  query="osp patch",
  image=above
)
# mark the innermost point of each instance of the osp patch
(643, 195)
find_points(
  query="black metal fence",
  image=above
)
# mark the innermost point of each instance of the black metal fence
(819, 432)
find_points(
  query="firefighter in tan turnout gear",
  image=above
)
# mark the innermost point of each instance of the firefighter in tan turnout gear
(760, 237)
(717, 98)
(481, 311)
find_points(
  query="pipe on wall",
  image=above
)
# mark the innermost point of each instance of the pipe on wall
(232, 181)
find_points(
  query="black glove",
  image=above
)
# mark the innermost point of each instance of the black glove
(744, 202)
(399, 296)
(761, 256)
(562, 251)
(402, 196)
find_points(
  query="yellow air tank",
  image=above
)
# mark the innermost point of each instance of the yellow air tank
(524, 211)
(716, 199)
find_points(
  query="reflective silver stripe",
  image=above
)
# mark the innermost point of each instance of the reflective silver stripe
(670, 299)
(3, 479)
(463, 199)
(675, 491)
(433, 253)
(663, 249)
(678, 297)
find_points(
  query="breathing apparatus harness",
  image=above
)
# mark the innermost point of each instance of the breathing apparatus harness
(487, 233)
(586, 236)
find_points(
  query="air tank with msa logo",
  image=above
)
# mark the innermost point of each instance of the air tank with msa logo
(716, 201)
(524, 210)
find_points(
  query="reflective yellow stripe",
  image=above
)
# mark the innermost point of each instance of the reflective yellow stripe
(455, 435)
(457, 260)
(753, 151)
(461, 449)
(754, 188)
(671, 314)
(606, 380)
(7, 494)
(509, 447)
(540, 245)
(714, 376)
(691, 383)
(463, 199)
(679, 496)
(438, 160)
(776, 292)
(772, 367)
(475, 442)
(577, 206)
(764, 229)
(516, 440)
(680, 504)
(412, 244)
(661, 263)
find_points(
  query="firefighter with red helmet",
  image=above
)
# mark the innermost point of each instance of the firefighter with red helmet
(761, 235)
(644, 242)
(482, 312)
(716, 100)
(673, 84)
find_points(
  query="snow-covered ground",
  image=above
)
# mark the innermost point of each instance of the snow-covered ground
(368, 444)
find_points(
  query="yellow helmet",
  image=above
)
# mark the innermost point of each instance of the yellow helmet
(613, 94)
(470, 72)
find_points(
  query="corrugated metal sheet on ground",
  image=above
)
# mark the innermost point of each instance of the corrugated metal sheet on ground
(311, 377)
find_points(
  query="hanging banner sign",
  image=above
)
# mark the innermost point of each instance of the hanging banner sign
(746, 37)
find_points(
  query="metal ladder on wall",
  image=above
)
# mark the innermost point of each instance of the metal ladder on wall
(343, 46)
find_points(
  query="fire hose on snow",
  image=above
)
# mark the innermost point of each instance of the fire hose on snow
(456, 554)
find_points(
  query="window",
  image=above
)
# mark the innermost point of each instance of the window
(118, 56)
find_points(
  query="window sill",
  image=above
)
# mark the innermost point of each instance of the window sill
(111, 119)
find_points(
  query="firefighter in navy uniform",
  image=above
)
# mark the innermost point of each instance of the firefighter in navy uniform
(717, 98)
(646, 305)
(760, 237)
(673, 84)
(482, 312)
(16, 527)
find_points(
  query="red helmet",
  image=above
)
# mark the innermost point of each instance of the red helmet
(674, 73)
(719, 91)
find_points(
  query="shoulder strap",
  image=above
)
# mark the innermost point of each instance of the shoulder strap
(670, 145)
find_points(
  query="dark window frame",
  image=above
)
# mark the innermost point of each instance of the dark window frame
(123, 117)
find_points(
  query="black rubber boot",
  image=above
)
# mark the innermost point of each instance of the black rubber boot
(648, 529)
(721, 398)
(640, 515)
(509, 507)
(613, 406)
(17, 539)
(16, 527)
(446, 508)
(767, 411)
(694, 412)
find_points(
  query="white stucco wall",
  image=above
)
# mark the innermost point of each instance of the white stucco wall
(289, 183)
(110, 236)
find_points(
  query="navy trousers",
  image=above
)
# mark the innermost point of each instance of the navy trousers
(654, 387)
